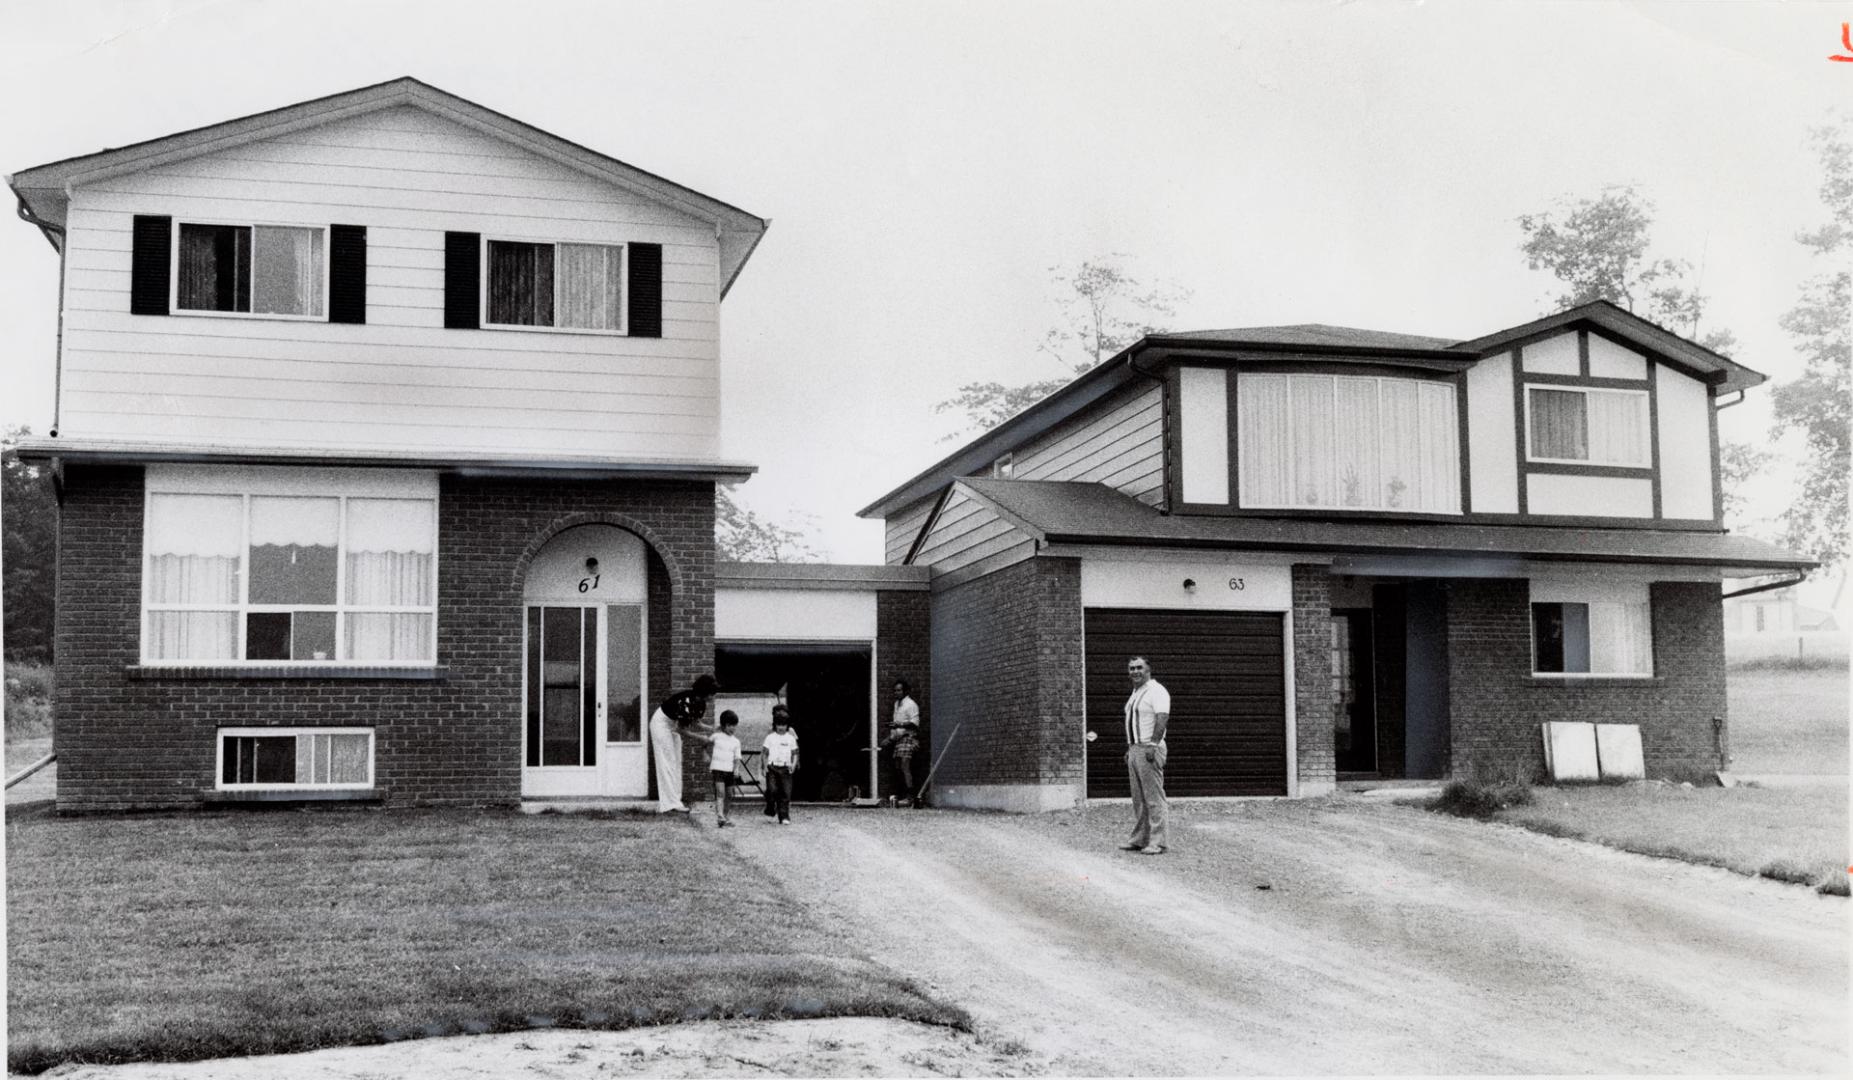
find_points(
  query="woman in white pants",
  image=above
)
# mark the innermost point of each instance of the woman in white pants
(677, 716)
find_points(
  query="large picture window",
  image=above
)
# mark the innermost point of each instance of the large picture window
(1349, 443)
(1587, 425)
(275, 758)
(568, 286)
(1591, 628)
(262, 577)
(251, 269)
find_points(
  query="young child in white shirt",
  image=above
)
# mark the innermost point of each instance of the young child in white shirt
(721, 761)
(781, 749)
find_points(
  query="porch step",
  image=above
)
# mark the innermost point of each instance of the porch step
(566, 805)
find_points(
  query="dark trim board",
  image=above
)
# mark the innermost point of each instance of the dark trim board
(1717, 456)
(1653, 432)
(1523, 426)
(1559, 468)
(1589, 381)
(1462, 433)
(1278, 366)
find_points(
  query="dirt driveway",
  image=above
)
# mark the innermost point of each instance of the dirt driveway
(1387, 940)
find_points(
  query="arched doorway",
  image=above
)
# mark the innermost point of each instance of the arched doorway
(583, 666)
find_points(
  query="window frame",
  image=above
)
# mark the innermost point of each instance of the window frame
(1241, 496)
(220, 735)
(1587, 593)
(245, 489)
(485, 273)
(1647, 416)
(173, 269)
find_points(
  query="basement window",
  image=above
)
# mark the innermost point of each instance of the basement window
(258, 759)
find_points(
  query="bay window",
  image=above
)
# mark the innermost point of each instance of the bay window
(270, 572)
(1587, 425)
(272, 270)
(567, 286)
(1348, 442)
(1591, 628)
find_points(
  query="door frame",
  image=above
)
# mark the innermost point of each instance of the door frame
(600, 779)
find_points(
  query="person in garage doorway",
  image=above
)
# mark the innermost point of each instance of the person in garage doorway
(781, 750)
(903, 740)
(680, 714)
(1148, 709)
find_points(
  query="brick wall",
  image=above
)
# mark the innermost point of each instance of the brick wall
(1496, 705)
(903, 651)
(1007, 668)
(125, 742)
(1312, 675)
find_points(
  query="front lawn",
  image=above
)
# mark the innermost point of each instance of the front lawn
(1794, 834)
(1788, 721)
(177, 938)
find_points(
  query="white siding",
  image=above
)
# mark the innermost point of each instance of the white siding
(1203, 423)
(1492, 434)
(1589, 496)
(1685, 445)
(1608, 360)
(793, 615)
(966, 531)
(1118, 441)
(1553, 356)
(400, 382)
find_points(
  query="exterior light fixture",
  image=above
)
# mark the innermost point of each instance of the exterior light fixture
(591, 566)
(1190, 584)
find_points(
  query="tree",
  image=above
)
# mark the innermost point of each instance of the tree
(1597, 247)
(28, 548)
(1817, 403)
(1103, 310)
(740, 535)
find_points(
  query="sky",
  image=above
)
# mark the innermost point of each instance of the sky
(929, 168)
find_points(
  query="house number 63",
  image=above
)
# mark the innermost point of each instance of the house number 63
(1236, 583)
(587, 584)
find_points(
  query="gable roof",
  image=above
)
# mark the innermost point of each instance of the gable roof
(1308, 341)
(1066, 511)
(42, 188)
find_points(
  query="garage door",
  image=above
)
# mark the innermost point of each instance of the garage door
(1226, 675)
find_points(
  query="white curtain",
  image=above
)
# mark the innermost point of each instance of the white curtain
(591, 284)
(391, 548)
(1261, 415)
(331, 758)
(1439, 470)
(1313, 452)
(1618, 428)
(1559, 424)
(1620, 639)
(192, 543)
(1399, 440)
(287, 264)
(1355, 443)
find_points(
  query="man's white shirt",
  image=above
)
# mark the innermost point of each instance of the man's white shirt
(1142, 709)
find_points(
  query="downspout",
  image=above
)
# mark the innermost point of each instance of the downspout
(1720, 407)
(50, 229)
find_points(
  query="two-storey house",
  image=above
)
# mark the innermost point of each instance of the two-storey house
(1345, 552)
(387, 442)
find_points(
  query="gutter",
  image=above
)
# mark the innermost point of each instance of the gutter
(1768, 586)
(55, 234)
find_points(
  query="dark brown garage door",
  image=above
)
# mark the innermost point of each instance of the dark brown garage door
(1224, 669)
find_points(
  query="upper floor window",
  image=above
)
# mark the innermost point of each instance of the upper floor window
(262, 570)
(251, 269)
(570, 286)
(1348, 442)
(1588, 426)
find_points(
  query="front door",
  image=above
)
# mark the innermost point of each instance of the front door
(582, 701)
(1354, 701)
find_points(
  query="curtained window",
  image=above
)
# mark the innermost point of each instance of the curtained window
(1348, 442)
(570, 286)
(257, 269)
(284, 757)
(325, 578)
(1588, 425)
(1591, 628)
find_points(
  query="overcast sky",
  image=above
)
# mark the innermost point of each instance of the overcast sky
(925, 165)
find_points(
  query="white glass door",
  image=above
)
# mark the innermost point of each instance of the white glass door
(563, 697)
(625, 765)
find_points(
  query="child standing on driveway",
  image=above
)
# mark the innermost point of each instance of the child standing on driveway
(781, 751)
(721, 761)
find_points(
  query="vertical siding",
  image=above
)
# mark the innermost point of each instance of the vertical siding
(401, 381)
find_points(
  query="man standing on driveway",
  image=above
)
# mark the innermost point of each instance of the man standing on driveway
(1147, 712)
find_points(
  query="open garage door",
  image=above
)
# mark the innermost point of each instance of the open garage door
(826, 686)
(1227, 677)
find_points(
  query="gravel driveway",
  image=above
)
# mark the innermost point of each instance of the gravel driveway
(1328, 936)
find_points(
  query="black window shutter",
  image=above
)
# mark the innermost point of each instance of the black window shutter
(347, 273)
(463, 256)
(152, 253)
(646, 290)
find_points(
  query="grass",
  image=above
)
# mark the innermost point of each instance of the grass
(1481, 799)
(1795, 834)
(28, 714)
(178, 938)
(1788, 721)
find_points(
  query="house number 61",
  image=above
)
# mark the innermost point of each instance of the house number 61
(587, 584)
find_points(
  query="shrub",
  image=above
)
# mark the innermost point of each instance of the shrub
(28, 701)
(1476, 798)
